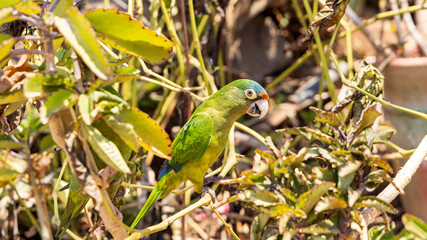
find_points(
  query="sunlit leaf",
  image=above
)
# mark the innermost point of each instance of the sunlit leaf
(106, 150)
(7, 175)
(260, 198)
(369, 117)
(308, 199)
(329, 203)
(58, 100)
(4, 144)
(125, 131)
(151, 136)
(324, 227)
(415, 225)
(8, 3)
(28, 7)
(6, 44)
(378, 162)
(33, 86)
(77, 30)
(373, 202)
(119, 30)
(124, 74)
(348, 168)
(84, 104)
(6, 15)
(12, 97)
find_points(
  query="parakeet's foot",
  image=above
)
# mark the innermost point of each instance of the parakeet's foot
(209, 191)
(213, 179)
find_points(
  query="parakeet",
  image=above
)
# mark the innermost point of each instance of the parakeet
(202, 139)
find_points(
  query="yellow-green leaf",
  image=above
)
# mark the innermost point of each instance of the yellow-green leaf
(84, 103)
(8, 3)
(373, 202)
(12, 97)
(328, 203)
(129, 35)
(9, 144)
(308, 199)
(28, 7)
(151, 136)
(415, 225)
(6, 15)
(125, 131)
(79, 34)
(58, 100)
(7, 175)
(6, 44)
(106, 150)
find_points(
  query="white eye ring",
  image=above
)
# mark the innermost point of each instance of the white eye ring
(250, 94)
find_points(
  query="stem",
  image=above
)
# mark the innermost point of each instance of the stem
(197, 46)
(289, 70)
(229, 228)
(251, 132)
(381, 101)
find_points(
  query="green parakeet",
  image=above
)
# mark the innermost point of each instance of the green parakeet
(202, 139)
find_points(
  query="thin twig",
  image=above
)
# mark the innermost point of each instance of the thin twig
(229, 228)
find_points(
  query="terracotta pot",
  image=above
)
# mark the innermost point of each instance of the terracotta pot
(406, 85)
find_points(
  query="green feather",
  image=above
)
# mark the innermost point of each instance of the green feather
(202, 139)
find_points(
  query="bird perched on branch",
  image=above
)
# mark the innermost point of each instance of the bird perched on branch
(202, 139)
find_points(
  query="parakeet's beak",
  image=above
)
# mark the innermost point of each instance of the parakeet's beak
(258, 108)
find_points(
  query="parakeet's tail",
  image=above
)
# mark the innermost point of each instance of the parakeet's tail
(154, 196)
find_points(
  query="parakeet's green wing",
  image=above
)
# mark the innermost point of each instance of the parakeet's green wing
(192, 140)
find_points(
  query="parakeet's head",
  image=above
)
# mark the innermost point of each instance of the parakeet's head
(246, 95)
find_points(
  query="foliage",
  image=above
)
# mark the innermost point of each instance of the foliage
(320, 189)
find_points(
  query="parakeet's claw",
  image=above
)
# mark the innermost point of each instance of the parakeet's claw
(209, 191)
(208, 180)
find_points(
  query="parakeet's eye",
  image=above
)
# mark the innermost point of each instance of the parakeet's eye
(250, 94)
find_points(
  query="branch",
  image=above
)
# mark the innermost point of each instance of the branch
(403, 177)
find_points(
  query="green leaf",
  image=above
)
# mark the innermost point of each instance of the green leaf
(125, 131)
(380, 163)
(324, 227)
(373, 202)
(12, 97)
(78, 32)
(258, 225)
(326, 117)
(4, 144)
(84, 103)
(415, 225)
(6, 45)
(111, 135)
(106, 150)
(58, 100)
(349, 168)
(308, 199)
(329, 203)
(7, 175)
(260, 198)
(6, 15)
(151, 136)
(124, 74)
(8, 3)
(28, 7)
(33, 86)
(12, 107)
(369, 117)
(119, 30)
